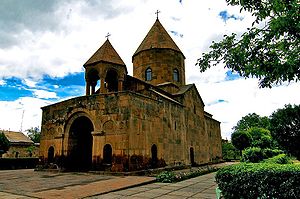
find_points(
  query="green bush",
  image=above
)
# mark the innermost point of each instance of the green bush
(279, 159)
(253, 154)
(268, 153)
(259, 180)
(170, 176)
(256, 154)
(166, 176)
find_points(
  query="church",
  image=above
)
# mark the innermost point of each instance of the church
(126, 123)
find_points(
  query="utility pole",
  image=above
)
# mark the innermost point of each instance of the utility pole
(21, 128)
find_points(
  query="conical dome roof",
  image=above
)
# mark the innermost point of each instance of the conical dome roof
(157, 37)
(105, 53)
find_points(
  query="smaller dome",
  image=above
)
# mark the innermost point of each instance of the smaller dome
(105, 53)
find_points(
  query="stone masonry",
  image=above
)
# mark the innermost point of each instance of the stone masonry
(147, 120)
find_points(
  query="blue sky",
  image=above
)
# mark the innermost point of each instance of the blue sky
(44, 44)
(14, 88)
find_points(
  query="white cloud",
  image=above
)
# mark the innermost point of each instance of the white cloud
(21, 114)
(44, 94)
(60, 49)
(2, 82)
(29, 83)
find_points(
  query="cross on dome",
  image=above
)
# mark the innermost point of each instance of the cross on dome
(108, 35)
(157, 12)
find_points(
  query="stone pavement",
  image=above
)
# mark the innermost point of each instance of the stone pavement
(202, 187)
(25, 184)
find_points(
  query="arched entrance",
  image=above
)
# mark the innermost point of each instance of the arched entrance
(50, 154)
(111, 80)
(192, 156)
(80, 144)
(154, 158)
(107, 154)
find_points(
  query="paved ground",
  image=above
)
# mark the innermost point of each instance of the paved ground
(25, 184)
(199, 187)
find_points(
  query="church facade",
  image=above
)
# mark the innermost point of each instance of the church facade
(147, 120)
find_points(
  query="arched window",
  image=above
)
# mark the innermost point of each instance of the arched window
(176, 75)
(148, 74)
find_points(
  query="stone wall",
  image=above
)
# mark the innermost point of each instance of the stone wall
(132, 124)
(162, 62)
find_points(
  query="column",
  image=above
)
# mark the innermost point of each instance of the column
(88, 88)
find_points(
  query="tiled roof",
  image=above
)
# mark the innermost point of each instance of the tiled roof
(157, 37)
(16, 137)
(105, 53)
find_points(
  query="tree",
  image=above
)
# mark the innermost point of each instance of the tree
(285, 128)
(252, 120)
(270, 53)
(4, 144)
(241, 140)
(34, 134)
(260, 137)
(229, 151)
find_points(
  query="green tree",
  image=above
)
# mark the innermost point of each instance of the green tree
(241, 140)
(252, 120)
(260, 137)
(4, 144)
(229, 151)
(285, 128)
(270, 53)
(34, 134)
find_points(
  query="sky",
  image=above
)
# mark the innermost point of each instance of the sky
(44, 44)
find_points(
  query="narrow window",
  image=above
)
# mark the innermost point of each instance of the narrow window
(176, 75)
(148, 75)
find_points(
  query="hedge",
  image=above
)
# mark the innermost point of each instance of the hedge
(255, 154)
(18, 163)
(279, 159)
(260, 180)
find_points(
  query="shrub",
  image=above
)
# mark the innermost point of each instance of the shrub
(268, 153)
(253, 154)
(259, 180)
(170, 176)
(279, 159)
(166, 176)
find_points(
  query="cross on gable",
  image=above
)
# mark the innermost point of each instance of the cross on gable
(108, 35)
(157, 12)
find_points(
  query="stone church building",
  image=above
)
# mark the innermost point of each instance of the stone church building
(125, 123)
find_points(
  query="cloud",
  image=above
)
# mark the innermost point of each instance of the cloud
(44, 44)
(42, 94)
(12, 119)
(2, 82)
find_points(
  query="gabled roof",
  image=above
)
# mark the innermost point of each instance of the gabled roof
(185, 88)
(17, 137)
(105, 53)
(157, 37)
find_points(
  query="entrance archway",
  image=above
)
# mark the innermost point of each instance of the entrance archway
(80, 144)
(154, 156)
(192, 156)
(50, 154)
(107, 154)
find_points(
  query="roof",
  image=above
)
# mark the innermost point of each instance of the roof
(157, 37)
(17, 137)
(105, 53)
(185, 88)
